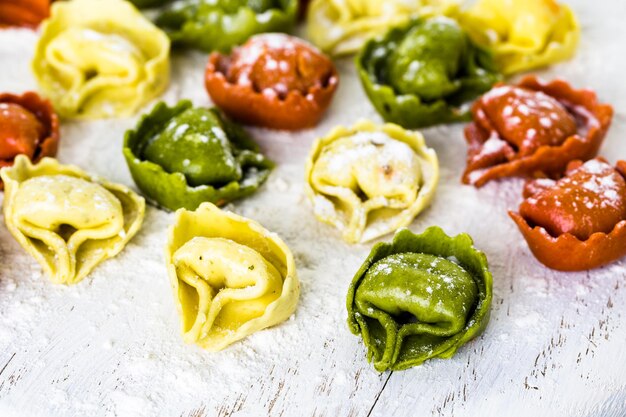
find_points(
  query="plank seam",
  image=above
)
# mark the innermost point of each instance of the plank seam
(379, 393)
(7, 364)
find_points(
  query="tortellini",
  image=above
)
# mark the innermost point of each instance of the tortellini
(370, 180)
(100, 59)
(26, 13)
(534, 128)
(579, 221)
(419, 297)
(28, 126)
(230, 276)
(523, 34)
(342, 26)
(211, 25)
(68, 220)
(182, 156)
(273, 80)
(424, 73)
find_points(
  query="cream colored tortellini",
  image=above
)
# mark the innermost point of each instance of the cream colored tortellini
(341, 27)
(230, 276)
(370, 180)
(100, 59)
(68, 220)
(523, 34)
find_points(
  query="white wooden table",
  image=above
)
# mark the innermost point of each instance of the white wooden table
(110, 346)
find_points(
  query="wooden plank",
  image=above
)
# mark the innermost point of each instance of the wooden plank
(110, 346)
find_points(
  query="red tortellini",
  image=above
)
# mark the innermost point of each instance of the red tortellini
(533, 129)
(26, 13)
(273, 80)
(579, 221)
(28, 126)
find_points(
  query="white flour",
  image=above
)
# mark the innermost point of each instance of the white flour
(111, 345)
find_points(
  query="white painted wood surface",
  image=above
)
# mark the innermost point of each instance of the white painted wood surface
(110, 346)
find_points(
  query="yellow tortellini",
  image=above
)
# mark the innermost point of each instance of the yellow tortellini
(370, 180)
(68, 220)
(230, 276)
(341, 27)
(100, 59)
(523, 34)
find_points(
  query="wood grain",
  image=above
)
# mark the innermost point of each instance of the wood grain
(110, 346)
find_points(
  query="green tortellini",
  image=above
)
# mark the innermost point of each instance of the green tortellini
(419, 297)
(211, 25)
(424, 73)
(182, 156)
(68, 220)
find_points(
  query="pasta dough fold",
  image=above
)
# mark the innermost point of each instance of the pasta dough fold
(419, 297)
(230, 276)
(370, 180)
(66, 219)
